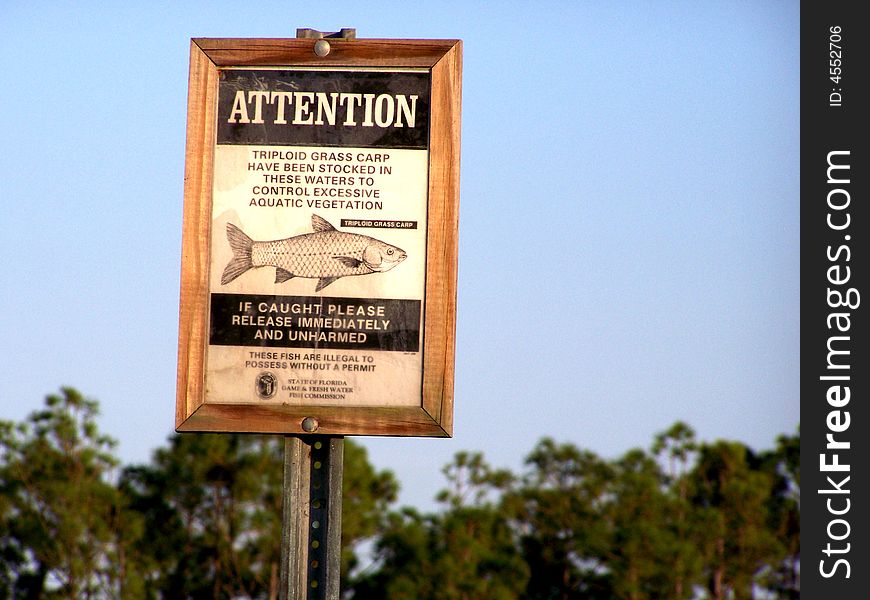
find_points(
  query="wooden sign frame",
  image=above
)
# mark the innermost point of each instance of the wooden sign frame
(433, 416)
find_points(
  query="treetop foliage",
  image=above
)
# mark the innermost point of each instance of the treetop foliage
(683, 519)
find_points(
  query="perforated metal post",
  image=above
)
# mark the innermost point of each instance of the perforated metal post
(311, 532)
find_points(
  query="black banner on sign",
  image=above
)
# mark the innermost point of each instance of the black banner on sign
(315, 322)
(360, 109)
(378, 224)
(835, 382)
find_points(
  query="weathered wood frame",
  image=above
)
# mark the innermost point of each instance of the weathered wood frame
(434, 416)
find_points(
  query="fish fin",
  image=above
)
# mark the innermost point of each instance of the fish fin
(241, 246)
(348, 261)
(282, 275)
(318, 223)
(323, 282)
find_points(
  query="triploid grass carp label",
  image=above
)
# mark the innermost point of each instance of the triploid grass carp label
(318, 237)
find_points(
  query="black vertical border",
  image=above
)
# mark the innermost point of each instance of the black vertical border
(825, 128)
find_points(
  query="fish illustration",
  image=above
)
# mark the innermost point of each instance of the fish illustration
(325, 255)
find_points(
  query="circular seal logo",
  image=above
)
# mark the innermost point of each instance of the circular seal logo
(266, 384)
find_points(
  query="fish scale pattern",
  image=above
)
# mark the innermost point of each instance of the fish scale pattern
(314, 254)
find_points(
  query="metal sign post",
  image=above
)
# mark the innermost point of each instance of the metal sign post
(311, 525)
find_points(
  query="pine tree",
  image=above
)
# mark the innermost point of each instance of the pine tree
(62, 517)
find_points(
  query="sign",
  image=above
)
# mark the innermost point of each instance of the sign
(319, 244)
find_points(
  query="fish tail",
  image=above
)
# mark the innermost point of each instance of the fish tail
(241, 245)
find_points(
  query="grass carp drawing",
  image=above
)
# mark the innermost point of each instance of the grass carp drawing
(326, 254)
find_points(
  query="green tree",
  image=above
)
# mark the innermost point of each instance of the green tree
(466, 552)
(403, 553)
(367, 495)
(477, 557)
(732, 494)
(62, 518)
(783, 465)
(557, 511)
(640, 536)
(677, 448)
(213, 503)
(203, 520)
(213, 508)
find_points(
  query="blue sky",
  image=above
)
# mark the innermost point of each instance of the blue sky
(629, 221)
